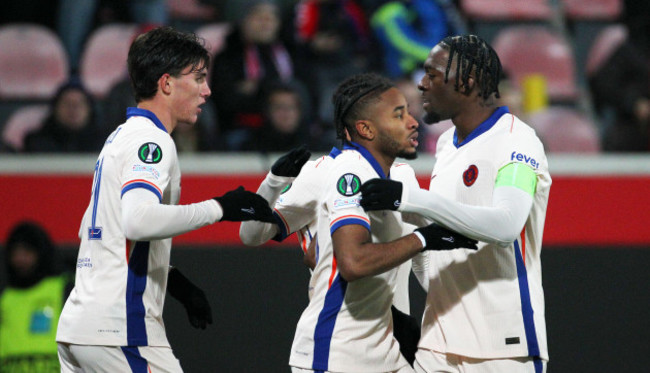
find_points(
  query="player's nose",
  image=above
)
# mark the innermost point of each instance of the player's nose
(205, 90)
(412, 122)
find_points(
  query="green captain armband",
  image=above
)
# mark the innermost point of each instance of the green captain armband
(517, 175)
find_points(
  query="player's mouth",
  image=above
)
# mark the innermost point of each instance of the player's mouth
(413, 139)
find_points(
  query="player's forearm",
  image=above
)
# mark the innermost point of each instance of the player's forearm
(370, 259)
(500, 223)
(144, 219)
(255, 233)
(272, 187)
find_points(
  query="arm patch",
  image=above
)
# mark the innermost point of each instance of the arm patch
(517, 175)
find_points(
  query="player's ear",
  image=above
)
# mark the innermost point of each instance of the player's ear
(467, 88)
(364, 129)
(165, 84)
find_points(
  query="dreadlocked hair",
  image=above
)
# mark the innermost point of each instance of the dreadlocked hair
(353, 96)
(474, 54)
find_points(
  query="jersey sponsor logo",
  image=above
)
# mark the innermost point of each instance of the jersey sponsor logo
(150, 153)
(142, 168)
(341, 203)
(520, 157)
(348, 185)
(470, 175)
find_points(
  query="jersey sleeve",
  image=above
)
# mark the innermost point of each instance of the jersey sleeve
(343, 195)
(524, 148)
(148, 163)
(297, 205)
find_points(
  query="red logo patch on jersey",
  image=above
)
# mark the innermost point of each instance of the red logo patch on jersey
(470, 175)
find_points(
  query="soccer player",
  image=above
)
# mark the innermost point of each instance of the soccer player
(485, 308)
(347, 326)
(112, 321)
(295, 185)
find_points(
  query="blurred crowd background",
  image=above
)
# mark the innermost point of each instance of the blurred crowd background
(576, 70)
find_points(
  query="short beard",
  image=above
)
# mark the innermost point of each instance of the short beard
(408, 156)
(392, 147)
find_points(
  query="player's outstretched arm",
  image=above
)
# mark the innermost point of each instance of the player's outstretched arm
(283, 172)
(243, 205)
(140, 208)
(499, 223)
(191, 297)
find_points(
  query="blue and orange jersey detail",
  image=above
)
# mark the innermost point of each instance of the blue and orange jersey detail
(347, 220)
(141, 183)
(329, 285)
(522, 237)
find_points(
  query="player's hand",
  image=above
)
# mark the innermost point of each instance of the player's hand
(381, 194)
(406, 330)
(289, 165)
(441, 238)
(242, 205)
(191, 297)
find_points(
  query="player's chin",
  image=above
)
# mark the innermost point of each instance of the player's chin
(410, 153)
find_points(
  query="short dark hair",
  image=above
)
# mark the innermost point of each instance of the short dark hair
(475, 54)
(159, 51)
(353, 96)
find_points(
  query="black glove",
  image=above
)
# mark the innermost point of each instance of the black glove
(242, 205)
(440, 238)
(290, 164)
(381, 194)
(191, 297)
(406, 330)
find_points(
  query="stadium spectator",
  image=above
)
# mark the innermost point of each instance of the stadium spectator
(254, 57)
(334, 36)
(31, 304)
(406, 30)
(71, 125)
(620, 87)
(284, 126)
(77, 18)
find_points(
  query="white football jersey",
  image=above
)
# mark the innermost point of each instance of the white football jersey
(348, 326)
(297, 209)
(120, 285)
(488, 303)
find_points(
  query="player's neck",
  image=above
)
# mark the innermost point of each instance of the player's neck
(162, 113)
(385, 160)
(470, 118)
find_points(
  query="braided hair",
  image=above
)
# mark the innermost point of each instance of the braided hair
(474, 54)
(353, 96)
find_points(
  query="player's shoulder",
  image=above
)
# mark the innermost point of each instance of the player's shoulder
(520, 144)
(350, 162)
(399, 170)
